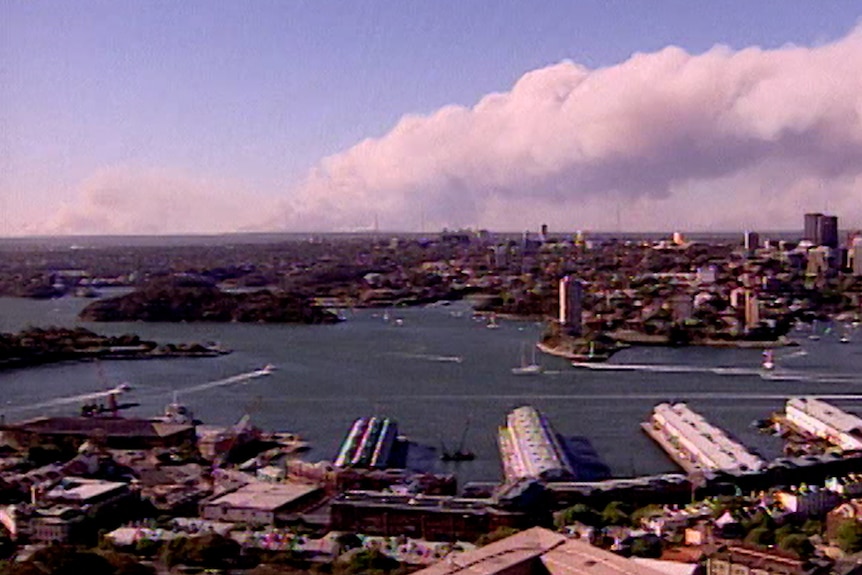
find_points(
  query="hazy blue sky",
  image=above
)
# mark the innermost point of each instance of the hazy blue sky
(160, 117)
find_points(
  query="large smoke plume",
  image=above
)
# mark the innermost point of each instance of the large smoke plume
(721, 140)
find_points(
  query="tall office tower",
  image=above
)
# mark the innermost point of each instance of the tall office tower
(752, 309)
(543, 237)
(810, 227)
(828, 231)
(856, 255)
(821, 230)
(571, 303)
(752, 241)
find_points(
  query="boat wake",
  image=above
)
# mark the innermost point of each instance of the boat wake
(766, 375)
(668, 368)
(243, 378)
(60, 401)
(430, 357)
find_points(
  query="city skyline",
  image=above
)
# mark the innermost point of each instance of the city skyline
(214, 118)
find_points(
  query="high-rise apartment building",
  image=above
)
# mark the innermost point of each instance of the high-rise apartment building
(821, 230)
(752, 241)
(571, 304)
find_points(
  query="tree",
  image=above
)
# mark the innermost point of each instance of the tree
(580, 513)
(615, 514)
(848, 536)
(364, 561)
(645, 513)
(812, 527)
(64, 560)
(649, 546)
(797, 543)
(760, 536)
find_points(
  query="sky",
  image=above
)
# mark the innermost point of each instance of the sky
(217, 117)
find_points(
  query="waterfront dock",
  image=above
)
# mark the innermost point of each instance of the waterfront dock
(696, 445)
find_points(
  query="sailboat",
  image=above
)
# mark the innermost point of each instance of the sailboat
(460, 454)
(814, 335)
(492, 322)
(768, 360)
(532, 368)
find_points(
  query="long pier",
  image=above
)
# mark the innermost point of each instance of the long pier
(696, 445)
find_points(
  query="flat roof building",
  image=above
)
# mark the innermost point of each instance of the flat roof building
(260, 503)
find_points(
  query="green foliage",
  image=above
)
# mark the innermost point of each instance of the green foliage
(645, 513)
(62, 560)
(649, 546)
(365, 562)
(147, 547)
(577, 513)
(209, 550)
(848, 536)
(496, 535)
(759, 519)
(615, 513)
(760, 536)
(812, 527)
(797, 543)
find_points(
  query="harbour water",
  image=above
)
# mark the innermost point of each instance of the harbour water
(432, 371)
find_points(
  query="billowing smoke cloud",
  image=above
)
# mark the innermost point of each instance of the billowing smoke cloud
(724, 139)
(125, 200)
(668, 140)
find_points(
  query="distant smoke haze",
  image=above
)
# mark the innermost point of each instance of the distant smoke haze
(722, 140)
(128, 200)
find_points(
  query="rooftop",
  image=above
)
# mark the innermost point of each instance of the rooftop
(83, 490)
(538, 550)
(265, 496)
(111, 426)
(826, 413)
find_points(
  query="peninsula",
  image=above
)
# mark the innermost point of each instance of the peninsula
(37, 346)
(173, 301)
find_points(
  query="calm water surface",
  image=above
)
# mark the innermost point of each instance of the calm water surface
(329, 375)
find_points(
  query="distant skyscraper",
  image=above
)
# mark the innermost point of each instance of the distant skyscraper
(828, 231)
(571, 304)
(752, 309)
(752, 241)
(821, 230)
(856, 255)
(810, 227)
(543, 237)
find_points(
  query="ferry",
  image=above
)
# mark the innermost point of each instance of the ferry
(768, 360)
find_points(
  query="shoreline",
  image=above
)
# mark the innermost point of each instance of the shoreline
(566, 352)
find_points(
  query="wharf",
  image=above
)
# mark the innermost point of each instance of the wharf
(673, 452)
